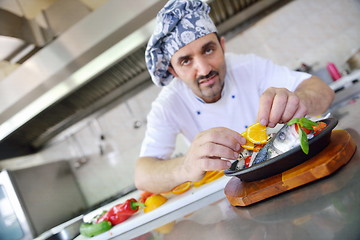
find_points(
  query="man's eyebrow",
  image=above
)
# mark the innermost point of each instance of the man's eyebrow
(182, 58)
(207, 45)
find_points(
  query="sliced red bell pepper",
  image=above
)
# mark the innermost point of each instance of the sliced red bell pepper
(307, 131)
(317, 129)
(121, 212)
(247, 161)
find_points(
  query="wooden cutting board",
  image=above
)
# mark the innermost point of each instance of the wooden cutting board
(338, 153)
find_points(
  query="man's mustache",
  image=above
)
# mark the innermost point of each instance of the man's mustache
(209, 75)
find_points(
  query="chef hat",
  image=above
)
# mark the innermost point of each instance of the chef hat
(177, 24)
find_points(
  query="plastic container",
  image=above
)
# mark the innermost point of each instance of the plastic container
(333, 71)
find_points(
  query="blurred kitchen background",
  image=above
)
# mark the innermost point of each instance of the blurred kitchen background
(74, 88)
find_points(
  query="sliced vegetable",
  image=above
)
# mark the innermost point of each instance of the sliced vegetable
(307, 131)
(121, 212)
(247, 161)
(319, 128)
(93, 229)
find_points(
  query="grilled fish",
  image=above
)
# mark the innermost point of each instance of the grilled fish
(284, 140)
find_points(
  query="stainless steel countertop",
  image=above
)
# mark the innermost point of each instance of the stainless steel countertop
(325, 209)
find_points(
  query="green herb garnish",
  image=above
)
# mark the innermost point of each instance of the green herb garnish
(303, 123)
(303, 141)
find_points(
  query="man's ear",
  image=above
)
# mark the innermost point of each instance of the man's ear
(172, 71)
(222, 43)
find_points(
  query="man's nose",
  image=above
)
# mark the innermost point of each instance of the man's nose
(203, 67)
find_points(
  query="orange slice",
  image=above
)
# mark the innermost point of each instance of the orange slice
(256, 133)
(257, 148)
(248, 145)
(209, 177)
(167, 194)
(181, 188)
(208, 174)
(217, 175)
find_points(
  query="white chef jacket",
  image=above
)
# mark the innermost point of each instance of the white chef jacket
(178, 110)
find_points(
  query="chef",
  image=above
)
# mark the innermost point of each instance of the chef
(210, 97)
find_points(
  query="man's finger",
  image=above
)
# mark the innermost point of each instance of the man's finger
(214, 150)
(222, 136)
(292, 105)
(301, 111)
(209, 164)
(265, 105)
(278, 108)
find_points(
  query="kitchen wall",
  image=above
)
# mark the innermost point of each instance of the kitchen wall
(303, 31)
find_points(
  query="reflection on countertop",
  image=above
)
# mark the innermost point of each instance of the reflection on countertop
(325, 209)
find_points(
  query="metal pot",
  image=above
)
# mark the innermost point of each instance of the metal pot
(354, 61)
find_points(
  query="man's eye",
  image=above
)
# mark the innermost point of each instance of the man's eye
(185, 62)
(209, 50)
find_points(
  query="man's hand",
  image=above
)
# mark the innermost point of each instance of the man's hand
(208, 148)
(205, 153)
(279, 105)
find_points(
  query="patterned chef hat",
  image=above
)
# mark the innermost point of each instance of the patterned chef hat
(177, 24)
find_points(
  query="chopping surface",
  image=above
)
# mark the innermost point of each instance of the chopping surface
(174, 203)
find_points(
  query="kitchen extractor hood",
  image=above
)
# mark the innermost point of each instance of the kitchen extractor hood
(94, 65)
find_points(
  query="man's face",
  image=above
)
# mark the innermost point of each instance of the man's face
(201, 65)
